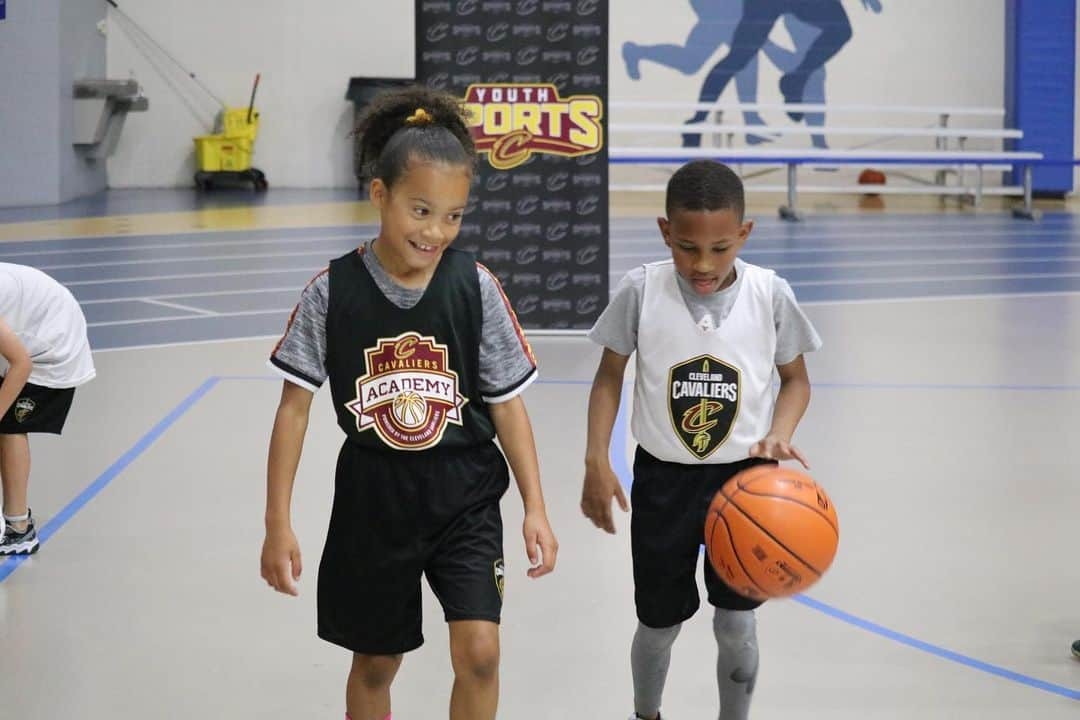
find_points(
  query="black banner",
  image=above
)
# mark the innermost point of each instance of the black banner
(534, 76)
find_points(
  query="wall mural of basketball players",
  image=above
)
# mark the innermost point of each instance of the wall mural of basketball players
(819, 29)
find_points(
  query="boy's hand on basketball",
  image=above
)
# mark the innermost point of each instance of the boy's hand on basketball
(774, 448)
(601, 485)
(540, 543)
(281, 565)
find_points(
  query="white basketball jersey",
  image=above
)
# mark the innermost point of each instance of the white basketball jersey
(50, 323)
(703, 396)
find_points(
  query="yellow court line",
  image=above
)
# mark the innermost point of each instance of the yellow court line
(207, 220)
(361, 212)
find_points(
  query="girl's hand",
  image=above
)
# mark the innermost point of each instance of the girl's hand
(281, 565)
(540, 543)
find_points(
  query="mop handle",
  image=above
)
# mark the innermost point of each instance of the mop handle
(251, 105)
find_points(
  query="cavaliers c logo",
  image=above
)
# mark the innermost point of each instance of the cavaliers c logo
(703, 402)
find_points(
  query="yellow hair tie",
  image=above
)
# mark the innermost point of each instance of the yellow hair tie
(420, 117)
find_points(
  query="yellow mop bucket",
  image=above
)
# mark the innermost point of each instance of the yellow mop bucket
(230, 151)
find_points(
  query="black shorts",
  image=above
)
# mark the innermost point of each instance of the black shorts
(667, 530)
(398, 515)
(37, 410)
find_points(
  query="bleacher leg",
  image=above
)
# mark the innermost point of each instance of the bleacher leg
(941, 143)
(789, 212)
(961, 170)
(1028, 212)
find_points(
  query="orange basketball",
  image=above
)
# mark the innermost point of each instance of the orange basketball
(771, 532)
(871, 177)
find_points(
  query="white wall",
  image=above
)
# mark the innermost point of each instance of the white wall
(306, 53)
(30, 103)
(82, 56)
(915, 52)
(45, 45)
(918, 52)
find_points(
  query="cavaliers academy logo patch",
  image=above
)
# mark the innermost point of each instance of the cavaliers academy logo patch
(511, 121)
(500, 576)
(409, 393)
(24, 407)
(703, 400)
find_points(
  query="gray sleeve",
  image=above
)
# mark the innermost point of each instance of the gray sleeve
(507, 363)
(616, 328)
(300, 355)
(795, 335)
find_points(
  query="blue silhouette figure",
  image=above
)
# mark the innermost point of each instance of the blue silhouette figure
(751, 34)
(803, 36)
(717, 20)
(818, 29)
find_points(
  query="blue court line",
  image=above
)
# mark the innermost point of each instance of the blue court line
(936, 650)
(61, 518)
(11, 564)
(619, 465)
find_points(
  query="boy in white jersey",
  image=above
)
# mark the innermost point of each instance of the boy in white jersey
(708, 330)
(44, 356)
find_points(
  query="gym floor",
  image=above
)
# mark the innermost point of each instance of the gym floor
(939, 425)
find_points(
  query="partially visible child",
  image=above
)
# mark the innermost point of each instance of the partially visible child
(44, 356)
(709, 331)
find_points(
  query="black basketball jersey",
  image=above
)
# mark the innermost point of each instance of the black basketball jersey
(407, 379)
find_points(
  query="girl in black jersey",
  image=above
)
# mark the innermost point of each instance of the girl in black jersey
(402, 328)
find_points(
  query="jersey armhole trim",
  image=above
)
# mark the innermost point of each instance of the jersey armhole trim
(515, 390)
(292, 375)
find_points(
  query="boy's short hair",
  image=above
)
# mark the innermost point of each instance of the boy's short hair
(705, 185)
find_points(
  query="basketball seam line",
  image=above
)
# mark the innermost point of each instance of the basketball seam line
(747, 515)
(797, 502)
(731, 541)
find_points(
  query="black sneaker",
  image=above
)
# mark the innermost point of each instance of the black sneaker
(17, 542)
(1076, 648)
